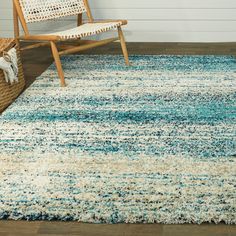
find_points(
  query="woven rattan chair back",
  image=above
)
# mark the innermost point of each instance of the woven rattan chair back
(42, 10)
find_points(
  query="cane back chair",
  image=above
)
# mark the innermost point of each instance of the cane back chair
(30, 11)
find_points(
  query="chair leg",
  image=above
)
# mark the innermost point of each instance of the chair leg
(58, 63)
(123, 46)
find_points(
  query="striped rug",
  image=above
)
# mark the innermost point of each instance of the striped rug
(154, 142)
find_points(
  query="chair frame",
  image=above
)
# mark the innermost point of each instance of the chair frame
(51, 40)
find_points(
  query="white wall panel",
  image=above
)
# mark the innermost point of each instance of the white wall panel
(152, 20)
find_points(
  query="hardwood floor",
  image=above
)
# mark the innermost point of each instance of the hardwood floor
(23, 228)
(35, 62)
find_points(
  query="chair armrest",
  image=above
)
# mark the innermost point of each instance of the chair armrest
(124, 22)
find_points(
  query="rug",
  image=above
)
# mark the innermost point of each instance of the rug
(151, 143)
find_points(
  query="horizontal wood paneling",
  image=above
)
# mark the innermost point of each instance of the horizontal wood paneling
(156, 14)
(152, 20)
(140, 4)
(144, 26)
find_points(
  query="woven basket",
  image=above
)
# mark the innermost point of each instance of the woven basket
(8, 92)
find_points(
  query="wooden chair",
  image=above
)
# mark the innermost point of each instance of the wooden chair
(29, 11)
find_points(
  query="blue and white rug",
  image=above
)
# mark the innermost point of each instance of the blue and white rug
(155, 142)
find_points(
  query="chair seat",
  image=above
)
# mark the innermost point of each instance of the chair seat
(87, 29)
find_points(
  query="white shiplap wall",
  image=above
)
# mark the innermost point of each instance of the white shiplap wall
(152, 20)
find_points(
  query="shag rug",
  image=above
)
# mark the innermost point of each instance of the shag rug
(154, 142)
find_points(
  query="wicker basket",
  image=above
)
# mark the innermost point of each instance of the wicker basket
(8, 92)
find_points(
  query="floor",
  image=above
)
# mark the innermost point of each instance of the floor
(35, 62)
(21, 228)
